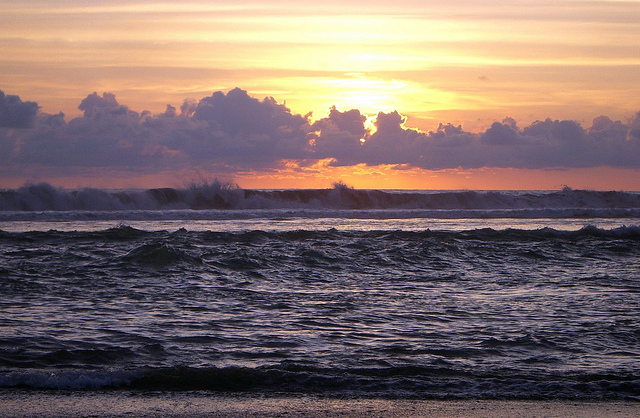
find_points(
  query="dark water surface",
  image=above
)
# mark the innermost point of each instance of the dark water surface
(476, 313)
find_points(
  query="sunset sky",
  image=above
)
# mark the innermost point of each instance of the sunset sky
(420, 94)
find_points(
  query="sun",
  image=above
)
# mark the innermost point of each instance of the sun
(369, 95)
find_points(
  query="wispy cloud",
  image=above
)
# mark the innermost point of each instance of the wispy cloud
(575, 56)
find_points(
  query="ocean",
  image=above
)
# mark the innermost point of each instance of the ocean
(337, 292)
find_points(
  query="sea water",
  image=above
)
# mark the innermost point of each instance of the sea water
(340, 292)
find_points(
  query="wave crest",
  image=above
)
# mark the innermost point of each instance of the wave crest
(217, 195)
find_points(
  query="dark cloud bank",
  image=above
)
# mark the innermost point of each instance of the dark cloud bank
(233, 131)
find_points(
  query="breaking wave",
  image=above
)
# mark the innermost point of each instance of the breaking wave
(394, 382)
(209, 200)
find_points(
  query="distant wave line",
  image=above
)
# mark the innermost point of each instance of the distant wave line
(223, 196)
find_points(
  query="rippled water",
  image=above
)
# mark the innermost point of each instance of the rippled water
(468, 311)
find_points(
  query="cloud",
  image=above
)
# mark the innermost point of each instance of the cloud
(239, 128)
(339, 136)
(501, 134)
(93, 105)
(14, 113)
(634, 127)
(232, 132)
(392, 143)
(108, 135)
(543, 144)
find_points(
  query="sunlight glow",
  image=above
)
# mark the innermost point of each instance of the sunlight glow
(462, 62)
(368, 95)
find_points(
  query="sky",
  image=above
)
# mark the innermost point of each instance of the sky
(418, 94)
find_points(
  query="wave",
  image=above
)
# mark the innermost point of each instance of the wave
(424, 382)
(217, 196)
(159, 252)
